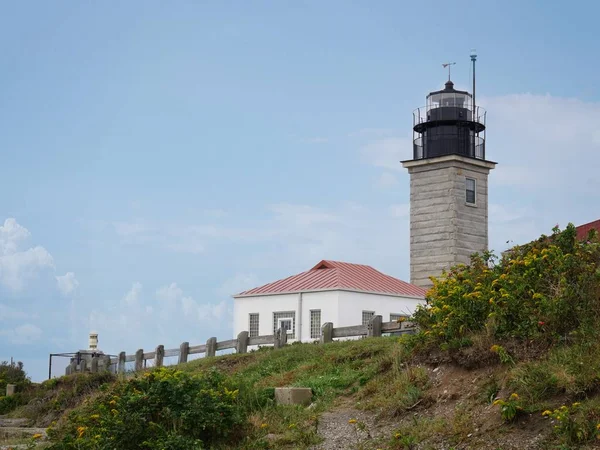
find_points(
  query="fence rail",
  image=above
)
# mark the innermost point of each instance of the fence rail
(375, 328)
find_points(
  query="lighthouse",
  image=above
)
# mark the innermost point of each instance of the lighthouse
(448, 183)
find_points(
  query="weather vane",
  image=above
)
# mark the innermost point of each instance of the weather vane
(448, 66)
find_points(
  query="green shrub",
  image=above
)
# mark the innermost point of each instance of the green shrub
(7, 404)
(577, 423)
(164, 408)
(510, 408)
(13, 374)
(547, 289)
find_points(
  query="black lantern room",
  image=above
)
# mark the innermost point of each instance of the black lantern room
(450, 124)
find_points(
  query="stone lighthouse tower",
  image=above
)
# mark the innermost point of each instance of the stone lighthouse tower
(448, 183)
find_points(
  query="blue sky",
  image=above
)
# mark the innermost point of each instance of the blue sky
(158, 158)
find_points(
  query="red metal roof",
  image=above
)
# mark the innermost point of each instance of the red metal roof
(339, 275)
(583, 230)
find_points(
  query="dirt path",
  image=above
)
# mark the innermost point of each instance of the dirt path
(349, 428)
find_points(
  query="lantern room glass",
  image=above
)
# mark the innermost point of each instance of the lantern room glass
(449, 99)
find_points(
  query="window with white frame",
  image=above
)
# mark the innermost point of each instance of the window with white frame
(396, 317)
(253, 324)
(367, 316)
(315, 323)
(285, 320)
(470, 190)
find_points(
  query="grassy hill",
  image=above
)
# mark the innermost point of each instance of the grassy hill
(507, 357)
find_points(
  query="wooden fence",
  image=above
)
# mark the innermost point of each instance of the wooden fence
(375, 328)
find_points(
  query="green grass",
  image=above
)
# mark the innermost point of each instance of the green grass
(332, 370)
(572, 370)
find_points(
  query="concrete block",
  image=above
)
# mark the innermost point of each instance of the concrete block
(326, 332)
(293, 396)
(11, 389)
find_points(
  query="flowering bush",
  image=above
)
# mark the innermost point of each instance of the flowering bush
(573, 425)
(548, 288)
(510, 408)
(164, 408)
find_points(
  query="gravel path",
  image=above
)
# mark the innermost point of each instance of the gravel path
(338, 431)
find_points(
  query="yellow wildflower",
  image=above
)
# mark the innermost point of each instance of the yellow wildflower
(397, 435)
(598, 427)
(95, 416)
(546, 413)
(292, 425)
(514, 396)
(263, 425)
(352, 421)
(80, 431)
(37, 436)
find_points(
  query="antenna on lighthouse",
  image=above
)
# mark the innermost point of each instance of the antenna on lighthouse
(473, 58)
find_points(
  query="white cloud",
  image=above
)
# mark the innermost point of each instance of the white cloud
(238, 283)
(400, 211)
(543, 141)
(169, 293)
(387, 153)
(67, 283)
(20, 266)
(386, 180)
(22, 334)
(132, 297)
(9, 313)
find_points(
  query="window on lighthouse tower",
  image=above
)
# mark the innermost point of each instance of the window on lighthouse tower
(470, 191)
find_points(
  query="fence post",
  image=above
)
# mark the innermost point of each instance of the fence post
(121, 366)
(139, 360)
(211, 346)
(327, 333)
(82, 366)
(105, 360)
(242, 342)
(184, 351)
(280, 338)
(159, 356)
(374, 327)
(94, 365)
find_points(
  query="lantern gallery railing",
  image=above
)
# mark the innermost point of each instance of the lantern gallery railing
(453, 113)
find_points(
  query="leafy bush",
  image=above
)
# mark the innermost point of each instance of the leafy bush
(13, 374)
(164, 408)
(549, 289)
(510, 408)
(576, 423)
(7, 404)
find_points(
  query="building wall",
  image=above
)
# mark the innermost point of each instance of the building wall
(342, 308)
(265, 305)
(354, 303)
(444, 229)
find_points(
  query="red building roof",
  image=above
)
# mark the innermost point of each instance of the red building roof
(583, 230)
(330, 275)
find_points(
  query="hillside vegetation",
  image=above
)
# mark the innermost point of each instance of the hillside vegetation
(507, 356)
